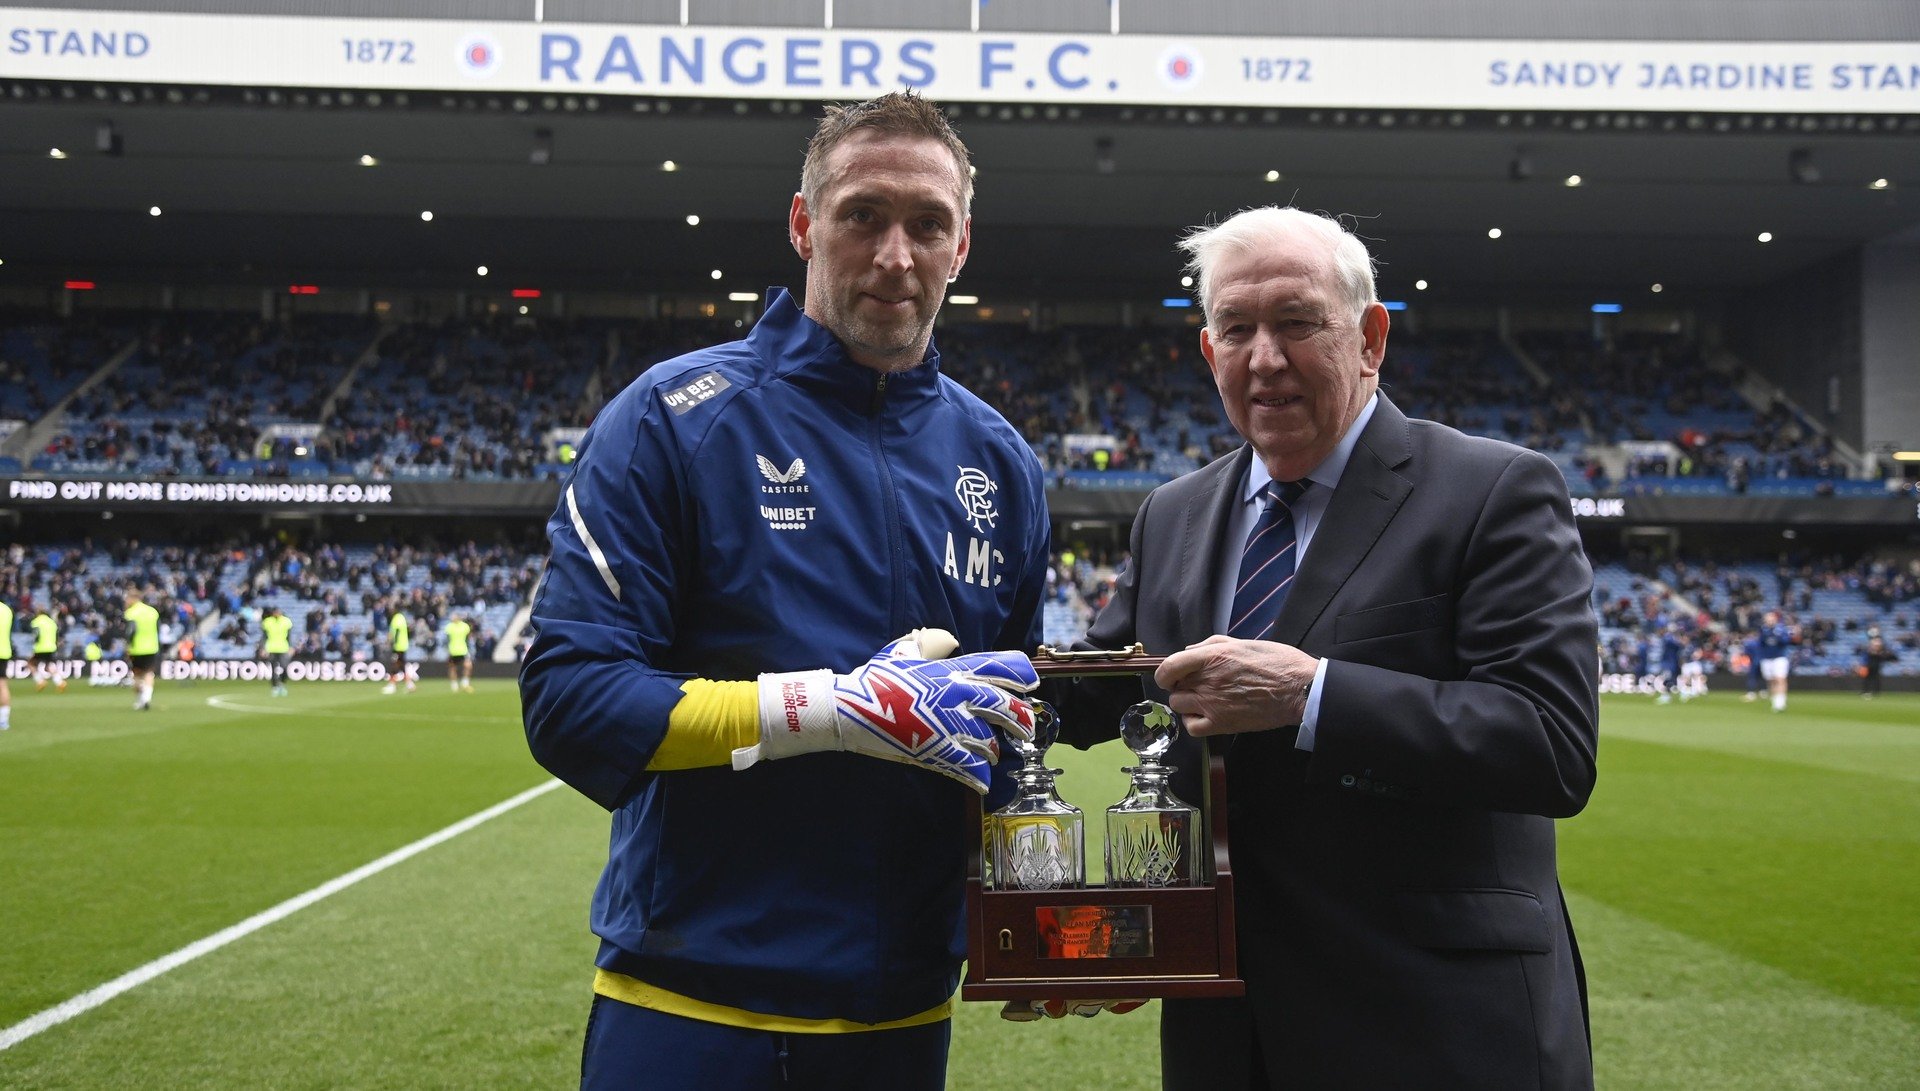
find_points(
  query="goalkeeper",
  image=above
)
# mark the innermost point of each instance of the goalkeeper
(726, 659)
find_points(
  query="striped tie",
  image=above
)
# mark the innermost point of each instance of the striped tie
(1267, 564)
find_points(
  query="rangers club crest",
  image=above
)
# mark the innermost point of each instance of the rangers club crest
(975, 491)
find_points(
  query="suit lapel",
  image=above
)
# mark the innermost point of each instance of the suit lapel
(1200, 546)
(1365, 501)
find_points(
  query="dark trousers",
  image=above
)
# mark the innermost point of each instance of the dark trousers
(630, 1047)
(1211, 1045)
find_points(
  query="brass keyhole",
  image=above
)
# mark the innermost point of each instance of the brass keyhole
(1006, 939)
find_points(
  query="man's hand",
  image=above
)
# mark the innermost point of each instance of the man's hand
(901, 706)
(1222, 685)
(1026, 1011)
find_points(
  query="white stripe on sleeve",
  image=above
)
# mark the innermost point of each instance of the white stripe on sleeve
(593, 547)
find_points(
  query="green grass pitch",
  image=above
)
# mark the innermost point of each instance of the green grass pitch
(1746, 886)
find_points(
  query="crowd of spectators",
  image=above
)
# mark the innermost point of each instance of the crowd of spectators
(1657, 389)
(1145, 392)
(195, 394)
(1619, 383)
(645, 343)
(482, 397)
(1834, 603)
(340, 596)
(1471, 382)
(466, 398)
(82, 586)
(341, 599)
(42, 361)
(1775, 443)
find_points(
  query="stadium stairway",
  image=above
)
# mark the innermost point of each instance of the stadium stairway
(368, 356)
(36, 435)
(507, 650)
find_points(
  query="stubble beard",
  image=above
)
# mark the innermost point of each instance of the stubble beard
(897, 346)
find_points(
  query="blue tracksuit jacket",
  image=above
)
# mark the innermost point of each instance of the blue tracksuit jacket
(768, 505)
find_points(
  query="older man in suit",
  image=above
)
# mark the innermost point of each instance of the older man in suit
(1385, 624)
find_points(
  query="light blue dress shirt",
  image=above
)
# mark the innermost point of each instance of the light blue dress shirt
(1306, 519)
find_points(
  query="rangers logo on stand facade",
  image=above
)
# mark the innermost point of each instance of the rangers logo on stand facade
(479, 56)
(1180, 67)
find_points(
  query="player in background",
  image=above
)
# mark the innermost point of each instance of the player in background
(46, 653)
(459, 661)
(274, 630)
(1672, 651)
(1693, 669)
(1750, 651)
(1874, 656)
(6, 660)
(1776, 646)
(399, 639)
(143, 647)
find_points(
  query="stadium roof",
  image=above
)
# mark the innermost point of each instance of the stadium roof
(279, 193)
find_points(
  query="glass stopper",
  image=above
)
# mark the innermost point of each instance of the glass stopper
(1149, 729)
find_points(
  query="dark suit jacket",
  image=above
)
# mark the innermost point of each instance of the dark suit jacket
(1399, 910)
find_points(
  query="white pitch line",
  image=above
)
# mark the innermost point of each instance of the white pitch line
(226, 703)
(94, 997)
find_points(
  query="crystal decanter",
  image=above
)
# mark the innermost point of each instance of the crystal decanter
(1153, 837)
(1037, 839)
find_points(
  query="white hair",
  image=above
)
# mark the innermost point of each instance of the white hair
(1254, 229)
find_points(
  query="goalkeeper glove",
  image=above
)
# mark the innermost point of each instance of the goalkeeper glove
(908, 703)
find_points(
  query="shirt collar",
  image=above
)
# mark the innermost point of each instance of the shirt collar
(1327, 474)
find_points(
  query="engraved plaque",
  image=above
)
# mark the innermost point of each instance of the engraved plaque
(1094, 931)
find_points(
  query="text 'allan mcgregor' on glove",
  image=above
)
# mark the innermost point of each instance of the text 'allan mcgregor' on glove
(908, 703)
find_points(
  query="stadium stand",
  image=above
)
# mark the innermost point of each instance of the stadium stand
(466, 399)
(1105, 408)
(1836, 602)
(195, 396)
(1686, 428)
(42, 360)
(338, 594)
(640, 345)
